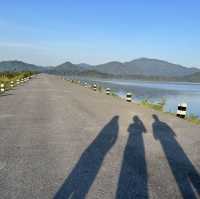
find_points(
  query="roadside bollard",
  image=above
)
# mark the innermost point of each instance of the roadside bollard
(11, 84)
(21, 81)
(129, 97)
(182, 110)
(18, 82)
(2, 89)
(85, 85)
(107, 91)
(94, 87)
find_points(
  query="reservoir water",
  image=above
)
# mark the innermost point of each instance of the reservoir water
(172, 92)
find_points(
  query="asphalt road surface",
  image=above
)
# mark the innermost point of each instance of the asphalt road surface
(60, 140)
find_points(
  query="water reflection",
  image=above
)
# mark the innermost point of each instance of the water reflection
(173, 93)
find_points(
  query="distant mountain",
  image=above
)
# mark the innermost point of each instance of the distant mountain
(85, 66)
(143, 68)
(115, 68)
(19, 66)
(94, 73)
(191, 78)
(66, 68)
(62, 69)
(147, 67)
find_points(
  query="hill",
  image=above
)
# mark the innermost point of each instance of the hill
(95, 74)
(146, 67)
(18, 66)
(66, 68)
(86, 66)
(192, 78)
(115, 68)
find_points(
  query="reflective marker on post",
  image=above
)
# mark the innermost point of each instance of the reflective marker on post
(129, 97)
(2, 89)
(11, 84)
(18, 82)
(182, 110)
(94, 87)
(107, 91)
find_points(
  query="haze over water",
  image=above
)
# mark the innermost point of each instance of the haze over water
(173, 92)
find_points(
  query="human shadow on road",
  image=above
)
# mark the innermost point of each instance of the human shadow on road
(78, 183)
(133, 175)
(187, 177)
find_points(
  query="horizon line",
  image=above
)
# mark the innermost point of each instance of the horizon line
(157, 59)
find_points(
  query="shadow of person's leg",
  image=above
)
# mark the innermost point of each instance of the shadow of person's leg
(78, 183)
(186, 175)
(133, 176)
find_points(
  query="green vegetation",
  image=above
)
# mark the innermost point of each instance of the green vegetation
(156, 106)
(99, 88)
(152, 70)
(193, 119)
(94, 74)
(113, 94)
(160, 107)
(192, 78)
(7, 77)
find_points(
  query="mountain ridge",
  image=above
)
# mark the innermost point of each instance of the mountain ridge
(145, 66)
(137, 67)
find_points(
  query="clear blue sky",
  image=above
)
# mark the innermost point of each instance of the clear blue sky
(51, 32)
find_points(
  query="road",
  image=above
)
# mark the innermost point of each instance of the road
(61, 140)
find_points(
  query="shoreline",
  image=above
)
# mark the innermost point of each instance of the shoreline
(159, 106)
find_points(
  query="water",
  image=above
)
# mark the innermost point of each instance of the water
(173, 93)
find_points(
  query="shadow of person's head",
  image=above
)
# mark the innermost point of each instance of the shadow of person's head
(161, 129)
(155, 117)
(136, 119)
(115, 118)
(109, 133)
(185, 173)
(112, 125)
(137, 125)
